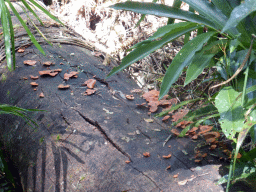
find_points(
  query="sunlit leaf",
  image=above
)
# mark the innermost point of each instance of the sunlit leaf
(239, 13)
(231, 111)
(181, 60)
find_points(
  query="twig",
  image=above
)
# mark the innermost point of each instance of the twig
(166, 140)
(241, 66)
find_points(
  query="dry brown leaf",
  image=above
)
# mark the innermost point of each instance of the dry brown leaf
(214, 134)
(41, 95)
(194, 137)
(183, 124)
(204, 155)
(151, 95)
(198, 161)
(238, 156)
(90, 91)
(129, 97)
(180, 114)
(146, 154)
(69, 75)
(34, 84)
(170, 102)
(48, 72)
(166, 117)
(153, 106)
(213, 147)
(35, 89)
(204, 128)
(175, 176)
(29, 62)
(61, 63)
(34, 77)
(210, 140)
(25, 78)
(175, 132)
(141, 105)
(48, 63)
(57, 70)
(127, 161)
(169, 167)
(193, 130)
(61, 86)
(21, 50)
(167, 156)
(90, 83)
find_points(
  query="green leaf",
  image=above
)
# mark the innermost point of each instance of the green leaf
(175, 107)
(162, 11)
(38, 30)
(246, 127)
(176, 4)
(181, 60)
(239, 13)
(169, 33)
(32, 11)
(31, 36)
(12, 39)
(202, 60)
(46, 12)
(231, 112)
(208, 10)
(4, 21)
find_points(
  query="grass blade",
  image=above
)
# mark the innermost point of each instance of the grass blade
(31, 36)
(5, 24)
(12, 39)
(32, 11)
(46, 12)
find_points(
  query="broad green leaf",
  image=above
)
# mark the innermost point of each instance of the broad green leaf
(242, 171)
(176, 4)
(212, 13)
(224, 6)
(7, 37)
(231, 112)
(145, 49)
(241, 136)
(209, 11)
(31, 36)
(46, 12)
(143, 16)
(202, 60)
(181, 60)
(239, 13)
(162, 11)
(165, 30)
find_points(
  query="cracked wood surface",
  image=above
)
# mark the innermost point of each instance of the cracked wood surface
(78, 146)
